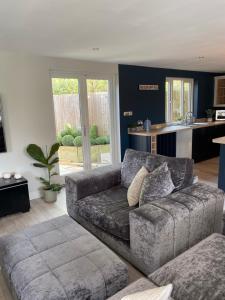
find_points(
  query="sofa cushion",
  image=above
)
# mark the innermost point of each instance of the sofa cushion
(134, 190)
(181, 169)
(132, 163)
(198, 273)
(140, 285)
(108, 210)
(158, 184)
(158, 293)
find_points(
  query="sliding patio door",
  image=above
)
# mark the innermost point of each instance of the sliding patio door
(99, 120)
(84, 113)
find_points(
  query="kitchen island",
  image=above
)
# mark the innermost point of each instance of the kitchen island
(193, 141)
(221, 176)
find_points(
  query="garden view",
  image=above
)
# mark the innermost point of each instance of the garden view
(68, 123)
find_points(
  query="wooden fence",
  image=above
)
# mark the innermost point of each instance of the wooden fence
(67, 110)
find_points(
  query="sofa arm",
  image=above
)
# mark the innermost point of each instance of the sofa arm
(83, 184)
(166, 227)
(212, 201)
(151, 237)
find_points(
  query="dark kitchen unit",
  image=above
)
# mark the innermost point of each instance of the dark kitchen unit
(201, 146)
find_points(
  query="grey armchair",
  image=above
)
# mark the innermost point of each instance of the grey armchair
(153, 234)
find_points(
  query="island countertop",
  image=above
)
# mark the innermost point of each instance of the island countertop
(220, 140)
(165, 129)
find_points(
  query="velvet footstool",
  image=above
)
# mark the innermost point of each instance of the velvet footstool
(59, 259)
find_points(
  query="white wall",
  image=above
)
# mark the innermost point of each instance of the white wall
(25, 89)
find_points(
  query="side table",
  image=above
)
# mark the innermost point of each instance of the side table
(14, 196)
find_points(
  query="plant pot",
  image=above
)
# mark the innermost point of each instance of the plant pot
(209, 119)
(50, 196)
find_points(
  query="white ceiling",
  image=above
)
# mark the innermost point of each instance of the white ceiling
(157, 33)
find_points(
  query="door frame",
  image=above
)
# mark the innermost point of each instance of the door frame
(83, 100)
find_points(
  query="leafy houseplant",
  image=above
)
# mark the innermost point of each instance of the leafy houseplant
(210, 113)
(46, 161)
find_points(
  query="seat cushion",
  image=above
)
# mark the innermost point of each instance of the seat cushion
(132, 163)
(181, 169)
(60, 260)
(109, 210)
(198, 273)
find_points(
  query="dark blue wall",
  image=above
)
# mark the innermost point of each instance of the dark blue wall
(151, 104)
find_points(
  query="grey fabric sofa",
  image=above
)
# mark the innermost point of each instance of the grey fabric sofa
(197, 274)
(151, 235)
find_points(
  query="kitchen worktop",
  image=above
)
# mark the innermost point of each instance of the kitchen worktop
(164, 129)
(220, 140)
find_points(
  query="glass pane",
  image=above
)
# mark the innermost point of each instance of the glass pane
(177, 113)
(68, 124)
(99, 122)
(187, 95)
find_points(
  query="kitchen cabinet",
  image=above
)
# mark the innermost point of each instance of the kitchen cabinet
(180, 141)
(219, 91)
(202, 146)
(140, 143)
(166, 144)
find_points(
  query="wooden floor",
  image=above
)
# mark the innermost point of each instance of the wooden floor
(40, 211)
(207, 171)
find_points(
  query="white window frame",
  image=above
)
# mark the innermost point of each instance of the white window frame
(169, 102)
(114, 111)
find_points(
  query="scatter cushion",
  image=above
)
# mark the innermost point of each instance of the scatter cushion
(139, 285)
(159, 293)
(156, 184)
(181, 169)
(134, 190)
(60, 260)
(132, 163)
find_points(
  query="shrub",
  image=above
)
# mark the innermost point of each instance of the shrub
(68, 140)
(78, 141)
(78, 132)
(69, 130)
(93, 141)
(93, 132)
(107, 138)
(59, 138)
(102, 140)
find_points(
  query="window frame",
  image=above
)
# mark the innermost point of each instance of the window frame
(168, 98)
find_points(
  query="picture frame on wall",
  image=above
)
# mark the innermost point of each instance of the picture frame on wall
(148, 87)
(2, 132)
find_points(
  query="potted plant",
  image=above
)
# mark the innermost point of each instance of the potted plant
(46, 161)
(210, 113)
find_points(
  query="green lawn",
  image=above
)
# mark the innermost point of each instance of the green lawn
(73, 155)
